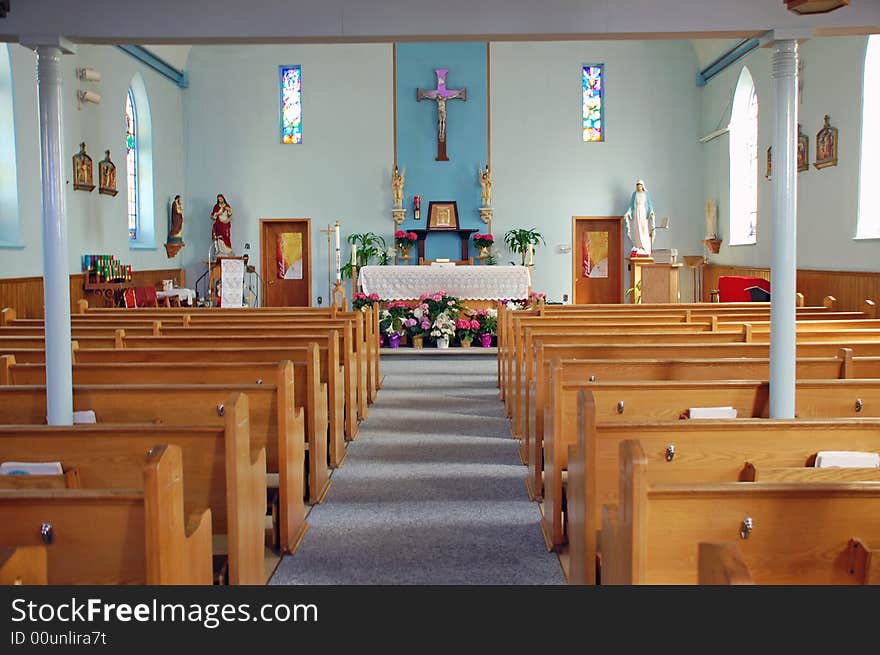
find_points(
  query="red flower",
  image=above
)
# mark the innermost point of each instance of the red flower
(412, 236)
(400, 234)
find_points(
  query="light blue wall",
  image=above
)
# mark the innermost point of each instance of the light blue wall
(96, 223)
(827, 198)
(341, 170)
(545, 173)
(466, 135)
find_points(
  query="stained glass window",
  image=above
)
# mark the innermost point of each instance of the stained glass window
(291, 104)
(131, 147)
(593, 83)
(868, 224)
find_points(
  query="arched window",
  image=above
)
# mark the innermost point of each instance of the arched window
(131, 161)
(139, 166)
(744, 162)
(868, 226)
(10, 228)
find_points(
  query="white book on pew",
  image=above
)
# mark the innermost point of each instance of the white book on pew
(712, 412)
(31, 468)
(847, 459)
(84, 416)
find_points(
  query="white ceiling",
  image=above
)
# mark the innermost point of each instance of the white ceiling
(188, 21)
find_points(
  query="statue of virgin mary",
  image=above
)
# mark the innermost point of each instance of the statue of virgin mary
(640, 211)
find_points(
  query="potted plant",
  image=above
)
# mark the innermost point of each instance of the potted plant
(443, 329)
(362, 301)
(522, 241)
(488, 325)
(370, 248)
(483, 243)
(466, 328)
(404, 242)
(418, 323)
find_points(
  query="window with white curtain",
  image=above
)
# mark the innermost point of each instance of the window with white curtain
(868, 226)
(744, 162)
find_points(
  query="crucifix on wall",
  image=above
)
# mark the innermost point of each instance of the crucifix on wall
(440, 95)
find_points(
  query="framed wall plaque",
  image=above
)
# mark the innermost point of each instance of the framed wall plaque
(443, 215)
(826, 145)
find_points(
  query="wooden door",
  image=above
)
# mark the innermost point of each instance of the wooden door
(597, 259)
(286, 257)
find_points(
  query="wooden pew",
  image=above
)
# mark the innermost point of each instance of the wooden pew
(351, 361)
(115, 536)
(687, 451)
(843, 366)
(311, 370)
(722, 563)
(370, 317)
(275, 423)
(668, 401)
(24, 565)
(638, 546)
(221, 469)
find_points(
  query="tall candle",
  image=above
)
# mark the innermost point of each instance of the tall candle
(531, 254)
(354, 250)
(338, 267)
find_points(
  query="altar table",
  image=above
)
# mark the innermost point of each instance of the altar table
(464, 282)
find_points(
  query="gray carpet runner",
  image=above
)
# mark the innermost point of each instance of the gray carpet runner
(432, 491)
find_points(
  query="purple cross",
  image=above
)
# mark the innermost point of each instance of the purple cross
(440, 95)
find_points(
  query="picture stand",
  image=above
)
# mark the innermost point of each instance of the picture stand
(339, 299)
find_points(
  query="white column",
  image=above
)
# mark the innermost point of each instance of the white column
(56, 272)
(784, 233)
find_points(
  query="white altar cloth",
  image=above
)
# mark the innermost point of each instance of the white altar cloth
(187, 296)
(465, 282)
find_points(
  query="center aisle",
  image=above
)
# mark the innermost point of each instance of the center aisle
(432, 491)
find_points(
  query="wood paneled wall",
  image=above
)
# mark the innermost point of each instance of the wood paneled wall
(25, 294)
(849, 287)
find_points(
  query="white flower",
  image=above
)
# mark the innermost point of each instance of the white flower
(418, 312)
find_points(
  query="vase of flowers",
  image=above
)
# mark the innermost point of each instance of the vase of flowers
(465, 329)
(443, 329)
(362, 301)
(404, 242)
(483, 242)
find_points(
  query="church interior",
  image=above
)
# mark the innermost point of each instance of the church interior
(419, 294)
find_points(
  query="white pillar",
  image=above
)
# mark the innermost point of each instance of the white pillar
(56, 271)
(783, 303)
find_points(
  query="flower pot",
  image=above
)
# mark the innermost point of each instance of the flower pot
(418, 341)
(394, 341)
(443, 342)
(486, 340)
(466, 342)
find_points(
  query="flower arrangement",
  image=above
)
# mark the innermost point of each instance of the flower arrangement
(441, 302)
(392, 319)
(419, 320)
(405, 239)
(514, 305)
(466, 328)
(362, 301)
(483, 240)
(443, 326)
(487, 320)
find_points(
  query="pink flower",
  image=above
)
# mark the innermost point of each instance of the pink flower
(462, 324)
(450, 302)
(410, 322)
(411, 236)
(437, 297)
(400, 234)
(374, 296)
(426, 324)
(475, 325)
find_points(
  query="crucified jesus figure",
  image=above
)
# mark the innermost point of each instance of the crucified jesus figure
(440, 95)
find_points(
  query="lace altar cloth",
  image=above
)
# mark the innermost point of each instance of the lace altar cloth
(465, 282)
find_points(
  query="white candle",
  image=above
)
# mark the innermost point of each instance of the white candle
(531, 254)
(338, 267)
(354, 250)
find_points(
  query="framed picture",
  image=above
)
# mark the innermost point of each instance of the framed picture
(83, 171)
(803, 151)
(826, 145)
(769, 173)
(107, 176)
(443, 215)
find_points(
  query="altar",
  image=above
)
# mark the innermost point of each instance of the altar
(464, 282)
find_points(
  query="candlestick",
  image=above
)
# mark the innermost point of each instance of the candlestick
(338, 263)
(531, 254)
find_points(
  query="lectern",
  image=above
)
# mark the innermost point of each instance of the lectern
(659, 282)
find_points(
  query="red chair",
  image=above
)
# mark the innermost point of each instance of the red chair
(129, 299)
(146, 297)
(735, 288)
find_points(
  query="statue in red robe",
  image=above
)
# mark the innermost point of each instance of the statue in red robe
(220, 232)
